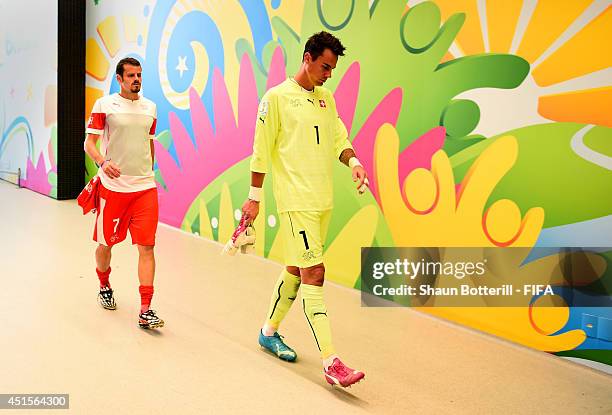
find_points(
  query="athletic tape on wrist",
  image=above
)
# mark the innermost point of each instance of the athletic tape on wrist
(353, 161)
(255, 193)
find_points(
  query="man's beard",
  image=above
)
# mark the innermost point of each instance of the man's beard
(135, 88)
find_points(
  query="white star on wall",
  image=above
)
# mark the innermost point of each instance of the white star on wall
(182, 65)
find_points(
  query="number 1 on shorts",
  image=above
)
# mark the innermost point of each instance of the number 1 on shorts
(303, 233)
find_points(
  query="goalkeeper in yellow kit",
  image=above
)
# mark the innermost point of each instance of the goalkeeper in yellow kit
(300, 134)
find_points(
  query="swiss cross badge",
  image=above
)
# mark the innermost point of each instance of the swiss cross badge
(322, 103)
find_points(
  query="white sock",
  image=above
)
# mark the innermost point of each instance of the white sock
(328, 362)
(268, 330)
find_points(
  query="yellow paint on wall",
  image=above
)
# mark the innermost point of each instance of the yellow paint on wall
(502, 17)
(590, 106)
(548, 21)
(109, 33)
(96, 63)
(226, 215)
(588, 51)
(514, 324)
(131, 28)
(469, 38)
(447, 57)
(290, 11)
(205, 228)
(91, 95)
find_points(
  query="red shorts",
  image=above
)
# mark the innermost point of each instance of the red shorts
(119, 212)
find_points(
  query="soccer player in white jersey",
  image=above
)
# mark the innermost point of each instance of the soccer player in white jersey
(126, 196)
(300, 134)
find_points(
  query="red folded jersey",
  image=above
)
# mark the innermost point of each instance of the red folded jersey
(88, 199)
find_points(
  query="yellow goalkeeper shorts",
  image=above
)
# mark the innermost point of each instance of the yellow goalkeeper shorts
(304, 234)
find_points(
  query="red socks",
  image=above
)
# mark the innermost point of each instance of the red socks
(103, 276)
(146, 294)
(146, 291)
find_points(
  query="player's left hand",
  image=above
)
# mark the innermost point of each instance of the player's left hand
(250, 210)
(361, 177)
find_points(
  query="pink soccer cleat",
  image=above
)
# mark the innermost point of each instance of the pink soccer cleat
(340, 374)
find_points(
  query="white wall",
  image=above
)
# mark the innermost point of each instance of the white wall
(28, 72)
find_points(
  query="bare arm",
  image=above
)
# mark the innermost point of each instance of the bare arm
(359, 174)
(111, 169)
(91, 150)
(152, 154)
(346, 155)
(257, 179)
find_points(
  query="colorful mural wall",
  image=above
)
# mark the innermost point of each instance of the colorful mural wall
(480, 123)
(28, 94)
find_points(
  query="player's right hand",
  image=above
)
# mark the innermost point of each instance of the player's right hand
(250, 210)
(111, 169)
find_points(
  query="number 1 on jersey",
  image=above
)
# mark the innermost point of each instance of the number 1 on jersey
(303, 233)
(317, 131)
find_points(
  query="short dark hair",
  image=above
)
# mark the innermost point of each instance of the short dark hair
(125, 61)
(318, 42)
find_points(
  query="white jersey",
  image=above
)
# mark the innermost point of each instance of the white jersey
(126, 128)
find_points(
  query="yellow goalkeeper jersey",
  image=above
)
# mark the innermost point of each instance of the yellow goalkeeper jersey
(300, 134)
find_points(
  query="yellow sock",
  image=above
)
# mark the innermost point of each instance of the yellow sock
(316, 314)
(284, 293)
